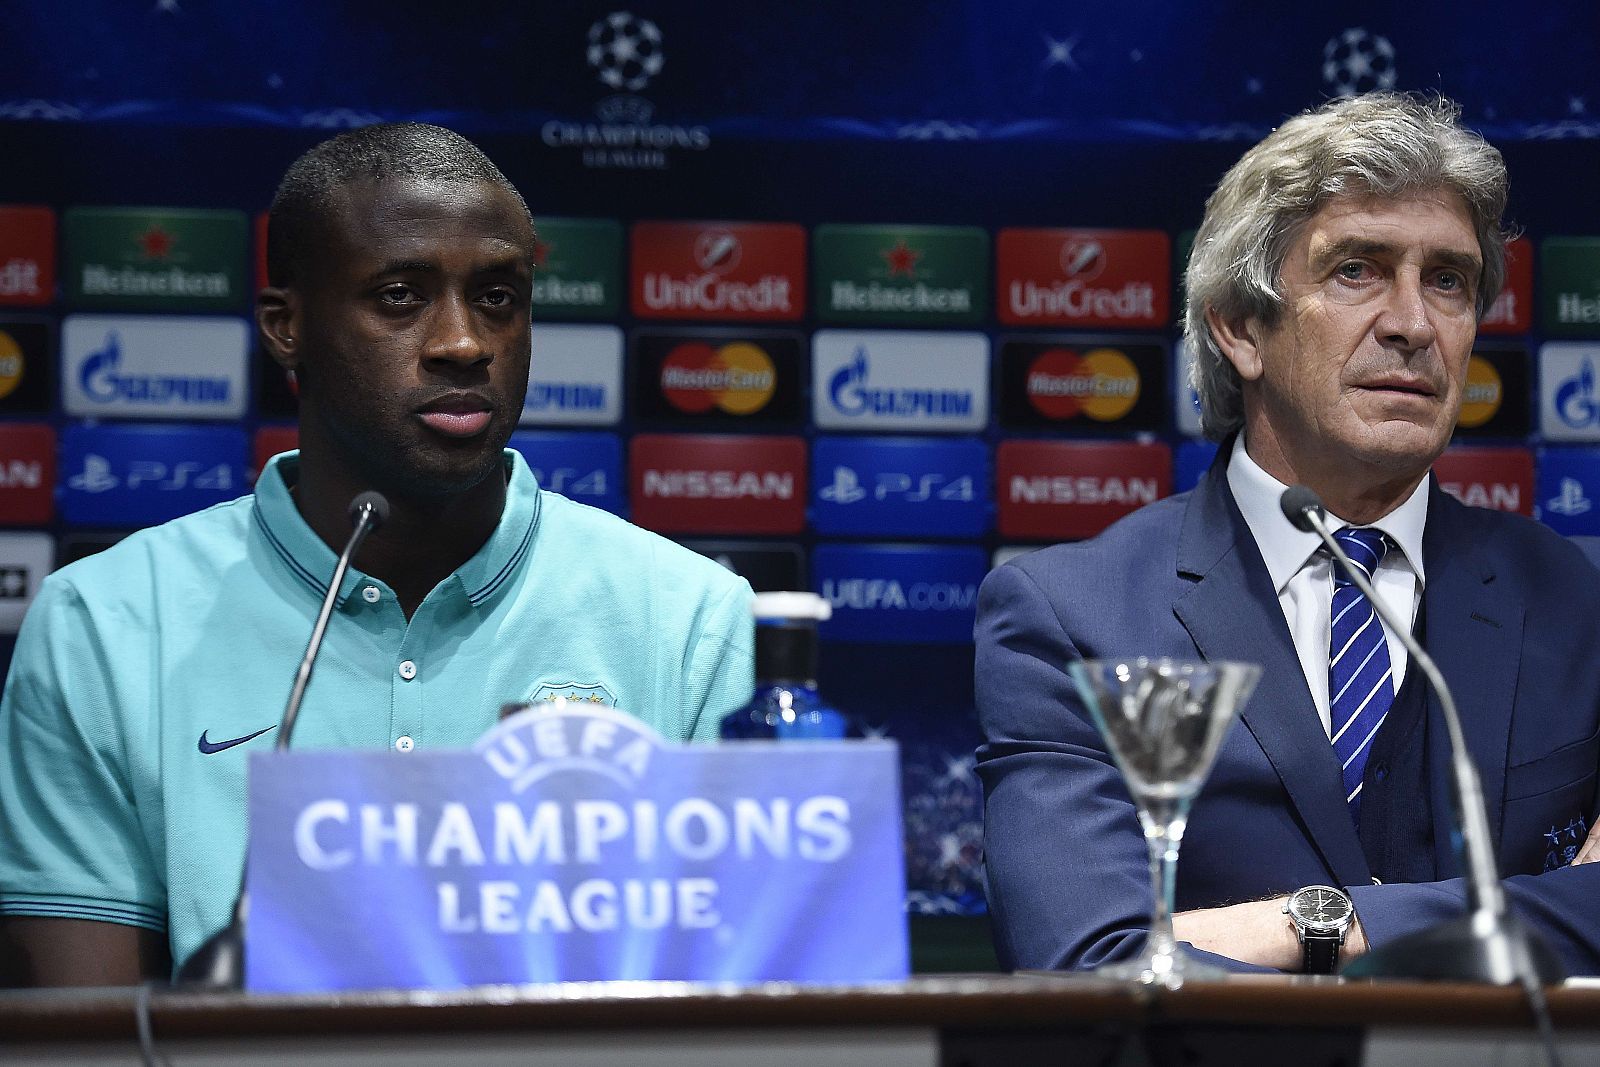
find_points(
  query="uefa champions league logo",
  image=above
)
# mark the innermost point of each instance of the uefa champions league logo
(1356, 61)
(625, 51)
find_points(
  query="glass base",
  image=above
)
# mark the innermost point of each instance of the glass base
(1169, 969)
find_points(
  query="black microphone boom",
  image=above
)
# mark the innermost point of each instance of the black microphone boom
(219, 962)
(1489, 944)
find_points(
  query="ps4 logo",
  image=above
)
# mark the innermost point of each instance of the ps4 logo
(572, 481)
(1570, 501)
(97, 476)
(846, 488)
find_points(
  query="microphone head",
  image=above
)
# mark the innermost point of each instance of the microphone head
(377, 502)
(1299, 504)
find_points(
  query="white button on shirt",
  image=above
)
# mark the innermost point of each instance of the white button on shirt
(1302, 573)
(408, 670)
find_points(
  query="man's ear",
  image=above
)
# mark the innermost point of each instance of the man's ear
(1238, 338)
(278, 319)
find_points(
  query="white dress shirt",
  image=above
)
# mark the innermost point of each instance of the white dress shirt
(1302, 573)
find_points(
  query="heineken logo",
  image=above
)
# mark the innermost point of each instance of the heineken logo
(902, 259)
(577, 267)
(902, 274)
(166, 259)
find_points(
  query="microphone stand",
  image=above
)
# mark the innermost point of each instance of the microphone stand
(1488, 944)
(218, 964)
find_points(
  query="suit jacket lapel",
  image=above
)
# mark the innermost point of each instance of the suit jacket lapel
(1231, 612)
(1474, 627)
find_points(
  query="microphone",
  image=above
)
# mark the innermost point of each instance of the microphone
(1489, 944)
(218, 964)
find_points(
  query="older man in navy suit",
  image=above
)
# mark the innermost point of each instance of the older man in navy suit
(1334, 292)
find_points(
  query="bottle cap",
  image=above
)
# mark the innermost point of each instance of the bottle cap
(792, 606)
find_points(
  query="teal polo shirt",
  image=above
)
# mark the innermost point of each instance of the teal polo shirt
(137, 672)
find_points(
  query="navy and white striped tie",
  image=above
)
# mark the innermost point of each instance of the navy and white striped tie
(1360, 686)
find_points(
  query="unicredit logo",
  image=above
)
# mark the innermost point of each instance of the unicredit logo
(708, 292)
(1083, 258)
(1078, 300)
(716, 251)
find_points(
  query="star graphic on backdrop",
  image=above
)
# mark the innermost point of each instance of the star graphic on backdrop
(875, 733)
(1252, 86)
(156, 243)
(902, 259)
(949, 850)
(1059, 53)
(541, 252)
(1576, 105)
(168, 7)
(957, 769)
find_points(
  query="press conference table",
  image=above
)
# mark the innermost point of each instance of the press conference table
(1012, 1021)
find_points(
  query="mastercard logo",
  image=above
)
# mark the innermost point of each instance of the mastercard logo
(1480, 400)
(736, 378)
(1102, 384)
(11, 365)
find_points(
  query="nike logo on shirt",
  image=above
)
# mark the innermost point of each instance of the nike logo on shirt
(208, 746)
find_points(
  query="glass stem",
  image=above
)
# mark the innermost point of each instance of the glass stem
(1164, 822)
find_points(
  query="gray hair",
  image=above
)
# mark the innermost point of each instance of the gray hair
(1389, 145)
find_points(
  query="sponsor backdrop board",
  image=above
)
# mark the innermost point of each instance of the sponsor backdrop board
(577, 268)
(900, 381)
(153, 366)
(574, 376)
(892, 246)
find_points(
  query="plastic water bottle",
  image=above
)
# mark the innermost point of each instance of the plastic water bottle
(786, 705)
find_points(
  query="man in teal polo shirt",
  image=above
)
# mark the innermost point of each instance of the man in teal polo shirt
(400, 260)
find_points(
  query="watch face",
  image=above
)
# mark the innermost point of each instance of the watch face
(1320, 907)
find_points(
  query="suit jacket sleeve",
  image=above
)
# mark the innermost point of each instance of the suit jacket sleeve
(1067, 871)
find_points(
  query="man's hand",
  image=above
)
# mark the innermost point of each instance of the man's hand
(1256, 932)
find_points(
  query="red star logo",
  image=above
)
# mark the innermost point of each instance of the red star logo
(156, 243)
(902, 259)
(541, 252)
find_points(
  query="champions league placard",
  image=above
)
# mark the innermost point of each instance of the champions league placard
(574, 844)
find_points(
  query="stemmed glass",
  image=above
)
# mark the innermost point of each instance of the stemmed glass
(1163, 721)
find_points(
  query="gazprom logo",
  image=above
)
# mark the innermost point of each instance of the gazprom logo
(1569, 391)
(900, 379)
(152, 366)
(853, 396)
(1575, 399)
(100, 379)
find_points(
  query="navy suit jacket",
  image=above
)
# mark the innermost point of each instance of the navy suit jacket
(1511, 616)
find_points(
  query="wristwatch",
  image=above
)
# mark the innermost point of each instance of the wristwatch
(1321, 915)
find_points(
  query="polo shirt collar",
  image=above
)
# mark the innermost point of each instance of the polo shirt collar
(312, 561)
(1285, 549)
